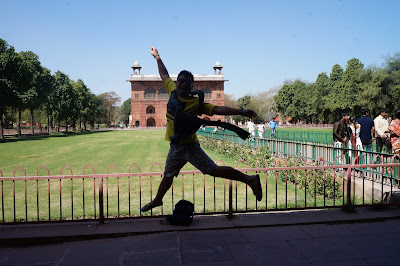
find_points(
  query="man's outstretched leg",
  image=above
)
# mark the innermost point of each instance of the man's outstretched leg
(230, 173)
(165, 184)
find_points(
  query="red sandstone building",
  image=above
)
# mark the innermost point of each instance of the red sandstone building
(149, 97)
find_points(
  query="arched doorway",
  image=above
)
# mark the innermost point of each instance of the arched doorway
(151, 122)
(137, 123)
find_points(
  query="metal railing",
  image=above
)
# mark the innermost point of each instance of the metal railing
(314, 137)
(306, 148)
(89, 196)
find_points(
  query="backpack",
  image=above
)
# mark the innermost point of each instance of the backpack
(182, 214)
(186, 124)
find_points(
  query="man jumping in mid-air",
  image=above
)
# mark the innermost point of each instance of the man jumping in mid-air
(188, 149)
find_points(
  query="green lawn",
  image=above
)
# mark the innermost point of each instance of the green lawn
(122, 148)
(99, 149)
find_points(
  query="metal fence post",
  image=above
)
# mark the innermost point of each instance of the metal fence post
(101, 202)
(348, 186)
(230, 211)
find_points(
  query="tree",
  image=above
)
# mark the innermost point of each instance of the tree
(353, 79)
(264, 104)
(25, 91)
(297, 108)
(392, 63)
(49, 98)
(65, 99)
(37, 87)
(9, 65)
(344, 90)
(284, 99)
(111, 100)
(125, 111)
(316, 108)
(97, 109)
(243, 102)
(375, 90)
(336, 97)
(82, 94)
(229, 101)
(392, 66)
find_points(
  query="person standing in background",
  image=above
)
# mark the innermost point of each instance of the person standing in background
(251, 127)
(261, 130)
(381, 131)
(394, 129)
(367, 126)
(273, 125)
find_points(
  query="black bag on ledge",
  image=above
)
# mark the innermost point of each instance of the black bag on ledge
(182, 215)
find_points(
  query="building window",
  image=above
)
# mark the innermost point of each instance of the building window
(207, 92)
(149, 93)
(218, 96)
(136, 96)
(150, 109)
(162, 93)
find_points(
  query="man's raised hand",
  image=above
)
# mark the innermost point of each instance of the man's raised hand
(249, 113)
(153, 51)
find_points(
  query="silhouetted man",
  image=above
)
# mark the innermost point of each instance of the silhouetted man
(188, 149)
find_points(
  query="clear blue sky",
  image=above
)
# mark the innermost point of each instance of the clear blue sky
(260, 44)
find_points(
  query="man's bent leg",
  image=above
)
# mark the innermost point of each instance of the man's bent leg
(233, 174)
(165, 185)
(196, 156)
(173, 165)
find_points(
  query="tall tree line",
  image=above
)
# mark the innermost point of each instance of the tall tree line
(27, 85)
(263, 103)
(349, 89)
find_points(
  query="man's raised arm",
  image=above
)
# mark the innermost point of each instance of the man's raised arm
(225, 110)
(161, 68)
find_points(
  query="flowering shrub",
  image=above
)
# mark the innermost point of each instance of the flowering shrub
(314, 181)
(237, 152)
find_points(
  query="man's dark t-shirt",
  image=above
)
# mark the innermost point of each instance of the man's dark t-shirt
(366, 125)
(339, 131)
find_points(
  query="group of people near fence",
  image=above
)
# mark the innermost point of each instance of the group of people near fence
(360, 133)
(261, 128)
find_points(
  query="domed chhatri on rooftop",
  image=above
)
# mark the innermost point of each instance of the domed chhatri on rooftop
(136, 67)
(219, 67)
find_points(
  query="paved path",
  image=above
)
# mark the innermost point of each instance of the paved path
(328, 237)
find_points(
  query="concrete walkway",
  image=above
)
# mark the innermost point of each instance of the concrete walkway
(328, 237)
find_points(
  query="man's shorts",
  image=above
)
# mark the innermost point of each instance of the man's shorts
(180, 154)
